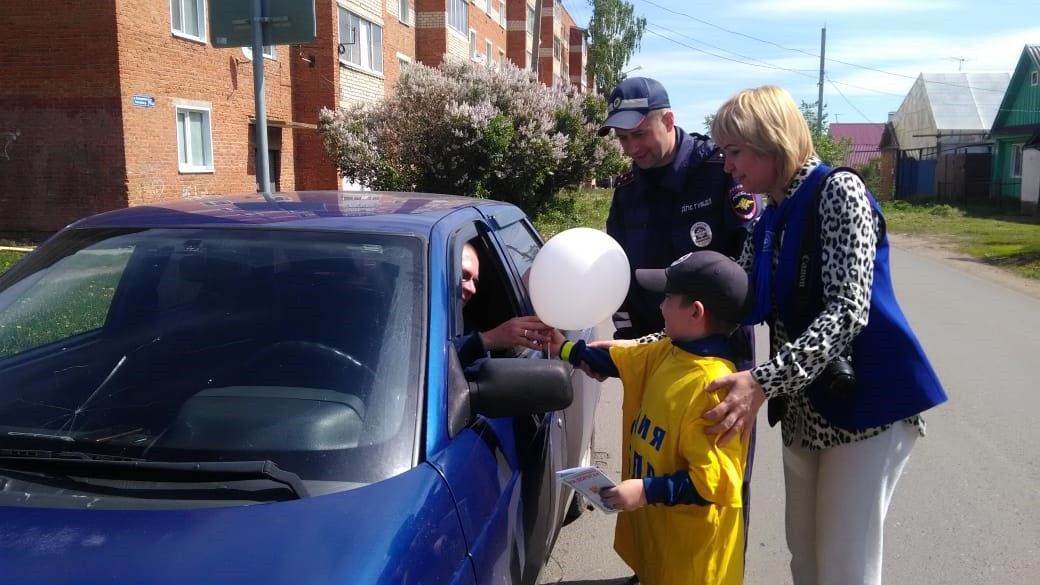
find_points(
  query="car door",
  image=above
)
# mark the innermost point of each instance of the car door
(501, 469)
(572, 428)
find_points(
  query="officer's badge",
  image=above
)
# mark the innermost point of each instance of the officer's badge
(614, 105)
(700, 234)
(745, 205)
(717, 157)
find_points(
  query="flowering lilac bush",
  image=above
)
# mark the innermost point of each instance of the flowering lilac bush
(466, 129)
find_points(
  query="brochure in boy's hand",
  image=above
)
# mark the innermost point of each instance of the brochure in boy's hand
(588, 481)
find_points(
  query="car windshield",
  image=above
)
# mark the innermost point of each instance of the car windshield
(216, 344)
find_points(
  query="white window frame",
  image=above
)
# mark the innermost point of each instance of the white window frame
(489, 53)
(530, 20)
(405, 12)
(177, 7)
(269, 52)
(458, 16)
(184, 138)
(502, 13)
(530, 59)
(1034, 78)
(1016, 161)
(361, 52)
(473, 44)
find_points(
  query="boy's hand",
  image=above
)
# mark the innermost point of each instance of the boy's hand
(629, 495)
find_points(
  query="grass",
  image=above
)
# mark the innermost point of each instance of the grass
(584, 208)
(988, 233)
(9, 257)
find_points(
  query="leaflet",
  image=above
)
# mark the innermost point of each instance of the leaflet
(588, 481)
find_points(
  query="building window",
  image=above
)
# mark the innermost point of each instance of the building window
(481, 4)
(188, 18)
(489, 53)
(473, 53)
(530, 20)
(269, 52)
(404, 12)
(194, 140)
(557, 47)
(458, 15)
(362, 42)
(502, 13)
(1034, 78)
(530, 60)
(1016, 161)
(556, 10)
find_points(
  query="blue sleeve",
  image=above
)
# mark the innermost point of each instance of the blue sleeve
(598, 358)
(469, 347)
(672, 490)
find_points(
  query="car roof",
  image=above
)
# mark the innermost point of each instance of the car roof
(335, 210)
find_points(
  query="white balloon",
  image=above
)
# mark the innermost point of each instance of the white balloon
(578, 279)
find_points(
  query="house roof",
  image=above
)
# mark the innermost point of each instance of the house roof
(1001, 124)
(864, 140)
(965, 101)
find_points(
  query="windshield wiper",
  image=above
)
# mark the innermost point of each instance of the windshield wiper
(88, 465)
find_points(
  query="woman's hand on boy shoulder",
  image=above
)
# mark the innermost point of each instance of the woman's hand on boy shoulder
(736, 413)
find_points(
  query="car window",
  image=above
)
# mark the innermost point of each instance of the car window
(521, 245)
(220, 344)
(68, 298)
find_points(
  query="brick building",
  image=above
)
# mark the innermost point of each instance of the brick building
(134, 105)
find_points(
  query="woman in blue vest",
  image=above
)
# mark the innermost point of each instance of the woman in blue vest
(819, 264)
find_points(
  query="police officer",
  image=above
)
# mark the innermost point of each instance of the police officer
(676, 199)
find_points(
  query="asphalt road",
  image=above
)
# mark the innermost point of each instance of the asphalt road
(967, 509)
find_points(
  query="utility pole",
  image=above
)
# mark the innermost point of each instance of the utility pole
(819, 100)
(260, 100)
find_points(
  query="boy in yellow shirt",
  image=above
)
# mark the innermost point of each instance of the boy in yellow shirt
(680, 495)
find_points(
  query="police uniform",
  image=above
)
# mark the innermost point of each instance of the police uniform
(658, 215)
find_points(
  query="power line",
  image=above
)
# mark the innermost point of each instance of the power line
(674, 32)
(692, 48)
(763, 64)
(768, 42)
(836, 88)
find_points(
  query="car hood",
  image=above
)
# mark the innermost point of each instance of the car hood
(374, 534)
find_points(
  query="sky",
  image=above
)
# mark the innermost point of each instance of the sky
(704, 52)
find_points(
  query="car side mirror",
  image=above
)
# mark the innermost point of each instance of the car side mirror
(520, 387)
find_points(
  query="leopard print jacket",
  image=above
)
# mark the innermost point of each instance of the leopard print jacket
(850, 234)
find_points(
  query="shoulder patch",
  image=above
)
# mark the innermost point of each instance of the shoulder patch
(625, 179)
(744, 204)
(717, 157)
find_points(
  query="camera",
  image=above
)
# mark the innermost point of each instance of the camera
(835, 385)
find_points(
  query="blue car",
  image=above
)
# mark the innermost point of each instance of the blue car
(231, 390)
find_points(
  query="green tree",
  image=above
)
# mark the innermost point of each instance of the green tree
(615, 34)
(466, 129)
(831, 151)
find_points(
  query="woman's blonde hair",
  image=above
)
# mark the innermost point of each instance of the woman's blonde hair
(771, 124)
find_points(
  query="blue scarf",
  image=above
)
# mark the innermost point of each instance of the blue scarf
(770, 226)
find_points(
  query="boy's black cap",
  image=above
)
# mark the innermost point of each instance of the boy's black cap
(631, 101)
(707, 276)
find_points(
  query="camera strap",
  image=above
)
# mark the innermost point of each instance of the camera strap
(808, 293)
